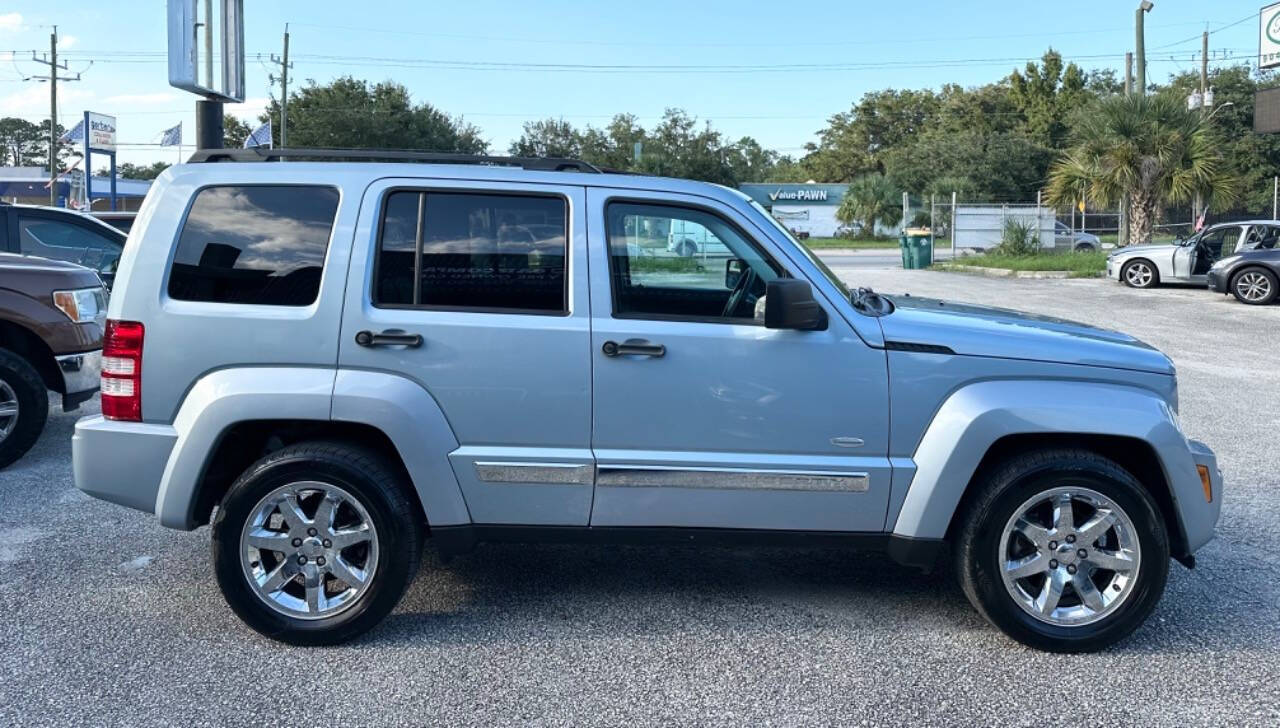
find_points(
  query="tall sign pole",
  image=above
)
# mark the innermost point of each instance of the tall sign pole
(191, 34)
(1141, 45)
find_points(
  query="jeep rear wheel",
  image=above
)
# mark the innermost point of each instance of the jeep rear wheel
(1063, 550)
(316, 543)
(24, 406)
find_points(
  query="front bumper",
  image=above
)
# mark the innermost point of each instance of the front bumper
(1200, 517)
(1217, 281)
(1113, 269)
(121, 462)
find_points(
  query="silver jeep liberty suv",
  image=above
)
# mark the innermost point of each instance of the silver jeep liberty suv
(337, 360)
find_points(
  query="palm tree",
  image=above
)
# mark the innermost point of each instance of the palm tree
(870, 198)
(1146, 150)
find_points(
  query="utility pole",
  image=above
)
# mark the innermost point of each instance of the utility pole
(1141, 46)
(1204, 99)
(51, 60)
(285, 65)
(1122, 236)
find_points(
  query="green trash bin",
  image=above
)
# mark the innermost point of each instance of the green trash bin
(917, 249)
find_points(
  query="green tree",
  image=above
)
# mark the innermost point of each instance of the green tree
(548, 138)
(22, 143)
(1045, 95)
(855, 141)
(353, 114)
(871, 198)
(128, 170)
(235, 131)
(1144, 149)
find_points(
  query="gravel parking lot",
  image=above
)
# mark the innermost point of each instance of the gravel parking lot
(110, 619)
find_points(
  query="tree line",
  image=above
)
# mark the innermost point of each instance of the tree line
(997, 141)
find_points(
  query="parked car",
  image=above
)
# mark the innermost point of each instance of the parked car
(56, 233)
(1187, 261)
(119, 219)
(1078, 240)
(330, 362)
(1253, 274)
(51, 318)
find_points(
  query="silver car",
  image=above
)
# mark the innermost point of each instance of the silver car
(1188, 261)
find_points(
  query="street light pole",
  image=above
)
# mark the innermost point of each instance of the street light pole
(1141, 50)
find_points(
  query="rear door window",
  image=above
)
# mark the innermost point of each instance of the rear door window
(473, 252)
(254, 244)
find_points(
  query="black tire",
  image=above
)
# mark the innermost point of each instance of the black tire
(1001, 491)
(379, 489)
(1152, 282)
(1269, 278)
(29, 391)
(1084, 247)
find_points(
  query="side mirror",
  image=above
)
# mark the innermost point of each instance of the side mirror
(789, 304)
(733, 270)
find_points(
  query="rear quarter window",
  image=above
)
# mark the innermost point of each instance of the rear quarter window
(254, 244)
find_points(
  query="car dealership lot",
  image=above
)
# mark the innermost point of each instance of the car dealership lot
(111, 619)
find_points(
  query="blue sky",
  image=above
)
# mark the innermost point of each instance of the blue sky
(772, 70)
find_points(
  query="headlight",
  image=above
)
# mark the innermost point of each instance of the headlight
(1225, 262)
(82, 305)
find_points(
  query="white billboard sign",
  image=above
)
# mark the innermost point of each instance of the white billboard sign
(101, 134)
(1269, 36)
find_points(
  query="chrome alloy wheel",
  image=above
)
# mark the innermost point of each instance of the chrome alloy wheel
(1139, 274)
(309, 550)
(1251, 286)
(1069, 556)
(8, 410)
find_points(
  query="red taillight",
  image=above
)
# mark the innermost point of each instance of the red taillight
(122, 371)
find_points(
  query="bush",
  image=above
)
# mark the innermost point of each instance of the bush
(1018, 238)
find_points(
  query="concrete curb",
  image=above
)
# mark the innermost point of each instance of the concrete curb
(1007, 273)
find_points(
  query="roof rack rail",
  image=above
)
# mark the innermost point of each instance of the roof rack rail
(258, 154)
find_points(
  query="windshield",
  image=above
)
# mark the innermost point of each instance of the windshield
(817, 262)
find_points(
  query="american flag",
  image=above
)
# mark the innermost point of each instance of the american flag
(261, 137)
(74, 134)
(172, 137)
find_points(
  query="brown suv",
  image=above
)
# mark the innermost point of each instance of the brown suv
(51, 317)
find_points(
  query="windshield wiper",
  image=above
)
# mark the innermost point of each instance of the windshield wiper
(871, 303)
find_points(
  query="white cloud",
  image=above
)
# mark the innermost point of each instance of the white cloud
(250, 109)
(32, 102)
(66, 41)
(10, 21)
(162, 97)
(6, 56)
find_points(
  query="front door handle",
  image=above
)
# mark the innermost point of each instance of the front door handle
(390, 337)
(633, 347)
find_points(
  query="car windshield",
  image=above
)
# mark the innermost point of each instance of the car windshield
(804, 250)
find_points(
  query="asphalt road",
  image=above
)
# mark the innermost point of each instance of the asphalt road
(110, 619)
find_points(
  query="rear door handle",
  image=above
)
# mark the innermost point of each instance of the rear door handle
(633, 347)
(390, 337)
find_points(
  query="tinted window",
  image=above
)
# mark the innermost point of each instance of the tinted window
(675, 262)
(59, 240)
(478, 251)
(255, 245)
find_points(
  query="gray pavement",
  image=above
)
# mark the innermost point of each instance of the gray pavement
(110, 619)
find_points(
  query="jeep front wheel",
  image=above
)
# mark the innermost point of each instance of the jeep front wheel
(316, 543)
(24, 406)
(1063, 550)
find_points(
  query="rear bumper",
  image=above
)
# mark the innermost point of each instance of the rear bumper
(121, 462)
(1216, 281)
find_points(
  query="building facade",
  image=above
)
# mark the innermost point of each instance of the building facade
(802, 208)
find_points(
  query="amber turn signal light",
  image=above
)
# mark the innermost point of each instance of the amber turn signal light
(1206, 482)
